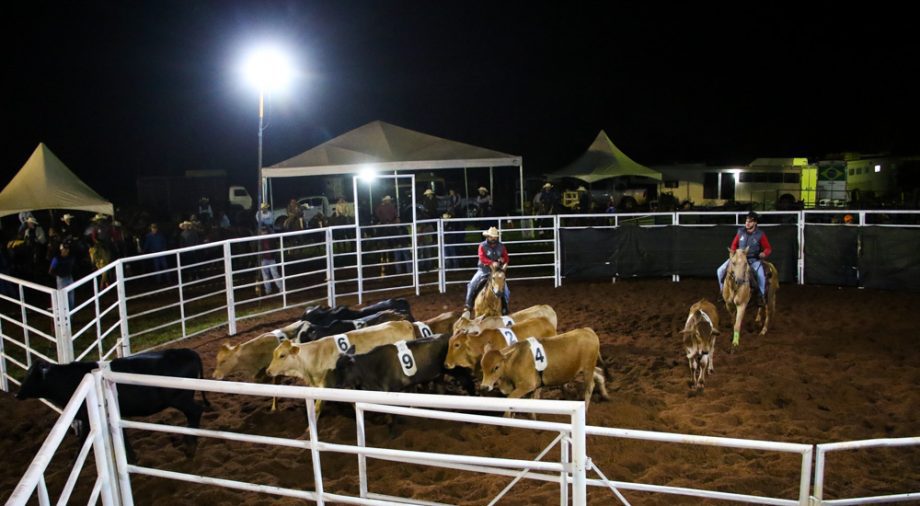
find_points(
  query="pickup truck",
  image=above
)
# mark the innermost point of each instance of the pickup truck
(311, 206)
(624, 199)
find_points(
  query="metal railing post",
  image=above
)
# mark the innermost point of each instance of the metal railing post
(579, 458)
(442, 258)
(557, 268)
(330, 268)
(61, 327)
(801, 236)
(125, 349)
(228, 283)
(102, 445)
(281, 257)
(181, 294)
(359, 263)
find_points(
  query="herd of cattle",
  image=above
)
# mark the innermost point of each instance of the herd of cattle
(381, 347)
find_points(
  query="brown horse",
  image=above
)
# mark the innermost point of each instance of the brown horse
(488, 301)
(737, 292)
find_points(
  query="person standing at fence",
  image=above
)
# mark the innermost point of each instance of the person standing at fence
(484, 202)
(452, 236)
(269, 264)
(430, 204)
(155, 242)
(453, 202)
(491, 252)
(62, 270)
(265, 217)
(758, 248)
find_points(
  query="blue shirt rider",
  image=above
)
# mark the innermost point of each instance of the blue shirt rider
(755, 240)
(491, 251)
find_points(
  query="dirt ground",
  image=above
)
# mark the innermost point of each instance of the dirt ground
(837, 365)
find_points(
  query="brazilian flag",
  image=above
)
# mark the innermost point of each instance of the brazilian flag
(832, 172)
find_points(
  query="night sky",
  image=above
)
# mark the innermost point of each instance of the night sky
(121, 89)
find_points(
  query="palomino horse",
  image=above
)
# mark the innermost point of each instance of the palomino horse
(488, 301)
(737, 291)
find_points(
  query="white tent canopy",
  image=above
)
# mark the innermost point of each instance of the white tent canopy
(603, 160)
(44, 182)
(387, 147)
(384, 148)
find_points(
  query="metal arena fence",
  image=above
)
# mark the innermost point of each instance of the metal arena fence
(138, 303)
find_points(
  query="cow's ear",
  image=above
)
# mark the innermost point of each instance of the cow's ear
(686, 332)
(227, 346)
(487, 348)
(294, 349)
(350, 350)
(716, 331)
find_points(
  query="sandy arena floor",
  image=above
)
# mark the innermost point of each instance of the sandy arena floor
(837, 365)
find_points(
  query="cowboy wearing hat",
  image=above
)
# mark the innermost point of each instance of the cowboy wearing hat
(385, 212)
(484, 201)
(491, 252)
(758, 248)
(265, 217)
(430, 203)
(584, 200)
(549, 199)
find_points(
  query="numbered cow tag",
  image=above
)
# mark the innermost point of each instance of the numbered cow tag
(359, 324)
(341, 342)
(539, 354)
(278, 334)
(508, 321)
(509, 336)
(406, 359)
(423, 329)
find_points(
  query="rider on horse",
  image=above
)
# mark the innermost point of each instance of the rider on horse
(491, 251)
(755, 240)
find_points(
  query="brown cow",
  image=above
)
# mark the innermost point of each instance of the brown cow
(699, 338)
(313, 361)
(486, 322)
(466, 349)
(514, 370)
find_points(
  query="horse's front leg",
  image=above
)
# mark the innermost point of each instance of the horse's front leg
(768, 309)
(736, 335)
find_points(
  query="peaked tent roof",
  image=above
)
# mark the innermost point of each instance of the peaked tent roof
(603, 160)
(44, 182)
(391, 147)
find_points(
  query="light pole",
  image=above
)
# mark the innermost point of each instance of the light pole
(268, 69)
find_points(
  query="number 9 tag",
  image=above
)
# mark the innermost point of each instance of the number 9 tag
(406, 359)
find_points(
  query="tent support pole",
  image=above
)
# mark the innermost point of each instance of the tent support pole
(521, 169)
(466, 186)
(491, 184)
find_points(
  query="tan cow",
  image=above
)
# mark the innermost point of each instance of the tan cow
(250, 359)
(514, 370)
(440, 324)
(465, 349)
(494, 322)
(699, 339)
(313, 361)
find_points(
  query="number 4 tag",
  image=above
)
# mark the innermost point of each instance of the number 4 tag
(539, 354)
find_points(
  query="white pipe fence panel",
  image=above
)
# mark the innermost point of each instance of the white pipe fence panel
(821, 465)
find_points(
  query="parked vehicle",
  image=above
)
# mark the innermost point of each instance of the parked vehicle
(179, 195)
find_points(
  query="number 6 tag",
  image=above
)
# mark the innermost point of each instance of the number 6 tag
(539, 354)
(406, 359)
(341, 342)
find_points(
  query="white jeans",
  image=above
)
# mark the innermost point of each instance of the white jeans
(269, 273)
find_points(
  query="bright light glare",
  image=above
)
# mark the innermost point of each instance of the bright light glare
(367, 173)
(268, 68)
(878, 168)
(737, 173)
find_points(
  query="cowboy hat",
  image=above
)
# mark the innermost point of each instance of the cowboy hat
(753, 216)
(386, 198)
(429, 191)
(581, 189)
(547, 185)
(446, 216)
(31, 219)
(483, 189)
(264, 205)
(492, 232)
(67, 216)
(99, 217)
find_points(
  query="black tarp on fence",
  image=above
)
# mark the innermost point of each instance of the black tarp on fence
(831, 255)
(890, 258)
(662, 251)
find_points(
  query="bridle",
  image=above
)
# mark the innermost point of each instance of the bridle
(743, 280)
